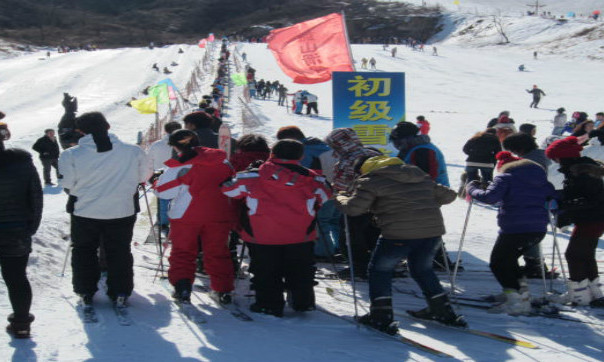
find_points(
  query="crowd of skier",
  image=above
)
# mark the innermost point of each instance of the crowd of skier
(301, 199)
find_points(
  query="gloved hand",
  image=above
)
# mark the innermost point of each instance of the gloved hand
(155, 176)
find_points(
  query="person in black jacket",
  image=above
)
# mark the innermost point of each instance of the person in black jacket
(201, 123)
(481, 150)
(582, 203)
(537, 93)
(20, 215)
(48, 148)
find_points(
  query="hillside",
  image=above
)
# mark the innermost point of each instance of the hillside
(136, 22)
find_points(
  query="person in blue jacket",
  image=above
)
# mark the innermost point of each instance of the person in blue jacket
(522, 190)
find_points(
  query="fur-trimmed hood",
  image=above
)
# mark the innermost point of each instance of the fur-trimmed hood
(529, 171)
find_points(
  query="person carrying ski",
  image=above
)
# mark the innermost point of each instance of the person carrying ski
(522, 191)
(537, 93)
(283, 197)
(582, 204)
(198, 210)
(406, 204)
(349, 151)
(20, 216)
(48, 148)
(101, 176)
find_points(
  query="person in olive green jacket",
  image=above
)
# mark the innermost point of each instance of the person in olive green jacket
(406, 203)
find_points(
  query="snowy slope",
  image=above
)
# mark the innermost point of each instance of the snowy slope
(458, 92)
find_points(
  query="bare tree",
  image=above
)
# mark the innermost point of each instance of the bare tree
(501, 27)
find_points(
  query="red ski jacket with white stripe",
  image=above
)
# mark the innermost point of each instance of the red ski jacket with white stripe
(282, 198)
(194, 188)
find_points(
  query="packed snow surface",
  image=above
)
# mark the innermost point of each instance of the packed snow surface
(458, 91)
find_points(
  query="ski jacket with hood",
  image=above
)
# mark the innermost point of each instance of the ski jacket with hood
(313, 148)
(583, 193)
(404, 199)
(282, 198)
(193, 188)
(348, 149)
(523, 190)
(103, 185)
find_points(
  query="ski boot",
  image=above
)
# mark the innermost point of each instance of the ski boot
(439, 309)
(221, 297)
(597, 298)
(517, 302)
(380, 316)
(182, 291)
(19, 327)
(258, 308)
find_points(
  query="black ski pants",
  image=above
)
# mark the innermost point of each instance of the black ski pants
(277, 268)
(312, 106)
(19, 290)
(581, 251)
(535, 102)
(86, 236)
(504, 257)
(47, 164)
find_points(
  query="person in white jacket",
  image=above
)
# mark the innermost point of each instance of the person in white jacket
(159, 152)
(101, 175)
(559, 122)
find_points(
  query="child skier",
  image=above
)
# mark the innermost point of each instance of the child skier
(198, 210)
(523, 190)
(406, 204)
(282, 199)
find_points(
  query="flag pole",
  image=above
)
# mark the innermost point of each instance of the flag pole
(347, 40)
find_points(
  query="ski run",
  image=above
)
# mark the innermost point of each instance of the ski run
(458, 91)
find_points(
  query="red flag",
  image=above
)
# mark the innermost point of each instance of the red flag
(310, 51)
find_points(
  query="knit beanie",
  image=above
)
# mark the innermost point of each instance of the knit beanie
(504, 157)
(568, 147)
(403, 129)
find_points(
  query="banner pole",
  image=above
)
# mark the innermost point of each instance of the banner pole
(347, 40)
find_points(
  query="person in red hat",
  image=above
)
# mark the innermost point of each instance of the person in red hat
(522, 190)
(582, 203)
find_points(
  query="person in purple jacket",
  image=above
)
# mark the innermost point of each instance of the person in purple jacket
(522, 190)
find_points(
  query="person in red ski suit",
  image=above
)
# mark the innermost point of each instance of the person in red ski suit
(198, 209)
(279, 227)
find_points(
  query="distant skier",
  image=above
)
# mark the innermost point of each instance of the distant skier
(167, 71)
(48, 148)
(372, 62)
(364, 63)
(244, 57)
(282, 95)
(434, 51)
(393, 51)
(155, 67)
(535, 55)
(68, 136)
(521, 68)
(311, 104)
(537, 93)
(559, 122)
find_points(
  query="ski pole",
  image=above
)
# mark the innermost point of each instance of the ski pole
(542, 264)
(351, 266)
(461, 241)
(554, 222)
(67, 252)
(161, 262)
(446, 260)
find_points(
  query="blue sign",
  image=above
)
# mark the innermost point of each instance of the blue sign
(370, 103)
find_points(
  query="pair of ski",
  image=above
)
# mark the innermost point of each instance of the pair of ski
(539, 310)
(194, 314)
(500, 338)
(89, 315)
